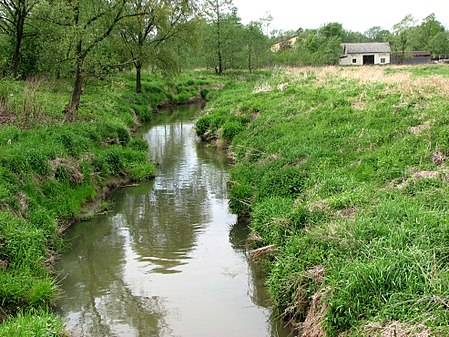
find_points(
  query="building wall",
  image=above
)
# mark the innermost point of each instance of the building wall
(412, 60)
(347, 61)
(286, 44)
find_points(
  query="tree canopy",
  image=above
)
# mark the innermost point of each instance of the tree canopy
(76, 39)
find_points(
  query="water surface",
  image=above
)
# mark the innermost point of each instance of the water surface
(168, 260)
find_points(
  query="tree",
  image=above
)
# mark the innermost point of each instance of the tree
(152, 23)
(350, 36)
(439, 44)
(14, 16)
(333, 29)
(315, 47)
(402, 34)
(256, 45)
(218, 12)
(424, 33)
(377, 34)
(87, 23)
(266, 22)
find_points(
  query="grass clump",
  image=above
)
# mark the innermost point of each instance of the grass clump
(33, 323)
(343, 171)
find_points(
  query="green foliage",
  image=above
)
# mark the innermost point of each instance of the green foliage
(32, 323)
(282, 181)
(439, 43)
(138, 144)
(269, 219)
(140, 171)
(230, 129)
(181, 98)
(314, 47)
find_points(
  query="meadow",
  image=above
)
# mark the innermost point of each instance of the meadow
(342, 172)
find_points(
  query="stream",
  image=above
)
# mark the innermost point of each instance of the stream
(169, 258)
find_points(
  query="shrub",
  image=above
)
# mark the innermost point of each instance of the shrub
(181, 98)
(202, 125)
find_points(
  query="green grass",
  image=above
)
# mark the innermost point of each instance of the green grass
(327, 164)
(33, 323)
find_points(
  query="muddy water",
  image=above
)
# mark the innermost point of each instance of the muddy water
(168, 260)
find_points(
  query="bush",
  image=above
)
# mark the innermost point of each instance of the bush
(202, 125)
(138, 144)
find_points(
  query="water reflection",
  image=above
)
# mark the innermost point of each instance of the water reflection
(164, 263)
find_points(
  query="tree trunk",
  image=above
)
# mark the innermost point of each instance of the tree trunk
(250, 60)
(138, 66)
(219, 51)
(18, 43)
(71, 110)
(220, 61)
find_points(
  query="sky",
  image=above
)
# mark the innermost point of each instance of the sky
(354, 15)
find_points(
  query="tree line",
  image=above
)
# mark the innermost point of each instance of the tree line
(76, 39)
(323, 46)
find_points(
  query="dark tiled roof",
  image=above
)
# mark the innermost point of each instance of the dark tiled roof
(369, 47)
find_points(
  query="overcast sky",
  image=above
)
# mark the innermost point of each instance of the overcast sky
(354, 15)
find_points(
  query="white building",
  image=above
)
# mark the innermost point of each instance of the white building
(357, 54)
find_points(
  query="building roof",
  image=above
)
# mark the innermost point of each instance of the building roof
(368, 47)
(420, 53)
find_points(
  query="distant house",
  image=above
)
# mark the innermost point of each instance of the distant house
(358, 54)
(284, 44)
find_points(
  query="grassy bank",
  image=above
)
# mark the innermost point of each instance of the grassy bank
(50, 170)
(343, 171)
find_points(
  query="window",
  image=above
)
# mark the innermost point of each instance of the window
(382, 60)
(354, 60)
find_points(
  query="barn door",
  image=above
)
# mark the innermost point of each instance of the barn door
(368, 59)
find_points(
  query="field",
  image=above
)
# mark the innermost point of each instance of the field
(343, 174)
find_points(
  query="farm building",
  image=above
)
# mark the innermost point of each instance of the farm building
(357, 54)
(284, 44)
(411, 57)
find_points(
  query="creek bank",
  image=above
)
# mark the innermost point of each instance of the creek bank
(333, 184)
(45, 188)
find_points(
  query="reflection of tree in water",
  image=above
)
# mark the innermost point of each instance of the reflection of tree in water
(96, 299)
(239, 234)
(164, 222)
(218, 177)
